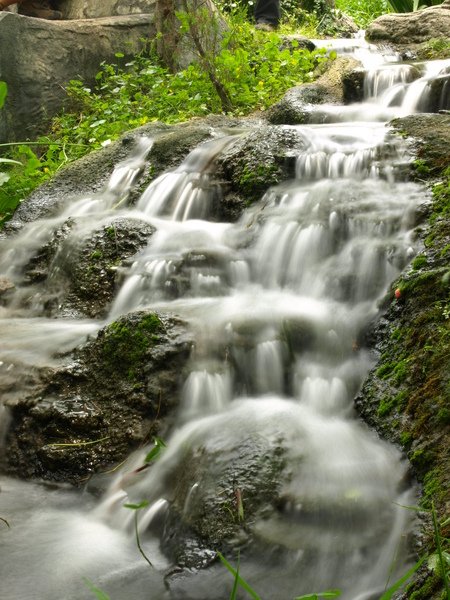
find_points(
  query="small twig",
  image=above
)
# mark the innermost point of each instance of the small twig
(79, 443)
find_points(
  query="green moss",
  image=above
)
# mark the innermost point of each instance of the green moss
(385, 370)
(253, 181)
(96, 255)
(445, 250)
(406, 439)
(426, 591)
(443, 416)
(419, 262)
(421, 458)
(111, 232)
(433, 488)
(126, 345)
(397, 334)
(421, 167)
(388, 403)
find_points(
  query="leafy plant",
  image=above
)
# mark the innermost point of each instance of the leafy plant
(252, 67)
(403, 6)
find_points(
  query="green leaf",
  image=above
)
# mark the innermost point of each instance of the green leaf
(399, 583)
(99, 594)
(233, 595)
(3, 92)
(154, 452)
(142, 504)
(327, 594)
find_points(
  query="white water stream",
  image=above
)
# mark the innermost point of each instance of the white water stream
(289, 290)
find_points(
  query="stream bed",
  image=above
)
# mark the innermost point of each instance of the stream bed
(279, 303)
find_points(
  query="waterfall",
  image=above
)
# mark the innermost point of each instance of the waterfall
(278, 302)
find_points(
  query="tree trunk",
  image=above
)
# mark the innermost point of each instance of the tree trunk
(196, 38)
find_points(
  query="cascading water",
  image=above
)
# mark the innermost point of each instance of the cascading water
(279, 302)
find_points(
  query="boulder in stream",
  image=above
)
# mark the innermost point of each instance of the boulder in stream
(413, 27)
(108, 397)
(342, 82)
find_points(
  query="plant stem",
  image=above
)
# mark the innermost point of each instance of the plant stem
(138, 541)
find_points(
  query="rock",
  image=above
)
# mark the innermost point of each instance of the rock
(69, 422)
(342, 81)
(40, 57)
(5, 286)
(91, 173)
(257, 161)
(295, 41)
(412, 28)
(430, 138)
(85, 266)
(92, 9)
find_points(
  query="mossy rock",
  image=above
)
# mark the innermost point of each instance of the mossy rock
(72, 421)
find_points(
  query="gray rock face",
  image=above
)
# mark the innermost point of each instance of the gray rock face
(49, 55)
(412, 28)
(92, 9)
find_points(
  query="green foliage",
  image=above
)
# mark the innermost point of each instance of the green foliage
(252, 66)
(403, 6)
(136, 508)
(363, 12)
(29, 165)
(389, 593)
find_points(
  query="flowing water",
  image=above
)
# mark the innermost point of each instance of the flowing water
(289, 291)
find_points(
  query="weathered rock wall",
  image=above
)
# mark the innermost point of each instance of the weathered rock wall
(92, 9)
(49, 55)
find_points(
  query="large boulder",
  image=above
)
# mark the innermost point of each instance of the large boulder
(106, 399)
(412, 28)
(38, 58)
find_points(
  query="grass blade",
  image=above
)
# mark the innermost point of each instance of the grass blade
(318, 595)
(244, 585)
(399, 583)
(233, 595)
(99, 594)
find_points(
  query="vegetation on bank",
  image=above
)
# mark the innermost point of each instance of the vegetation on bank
(254, 67)
(407, 397)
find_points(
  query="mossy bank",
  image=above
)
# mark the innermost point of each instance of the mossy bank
(406, 397)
